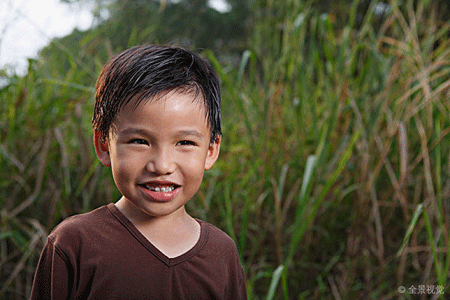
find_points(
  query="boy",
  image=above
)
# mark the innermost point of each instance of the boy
(157, 125)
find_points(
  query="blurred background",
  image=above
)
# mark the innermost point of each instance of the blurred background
(334, 173)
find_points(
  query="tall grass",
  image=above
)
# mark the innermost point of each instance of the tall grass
(334, 175)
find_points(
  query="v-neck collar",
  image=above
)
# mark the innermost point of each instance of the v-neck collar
(151, 248)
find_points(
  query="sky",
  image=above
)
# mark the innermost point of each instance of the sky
(26, 26)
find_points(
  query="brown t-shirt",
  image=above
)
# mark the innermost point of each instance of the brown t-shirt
(101, 255)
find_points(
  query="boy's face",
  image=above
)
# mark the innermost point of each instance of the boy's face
(159, 151)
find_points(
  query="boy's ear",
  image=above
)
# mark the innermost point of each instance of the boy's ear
(102, 149)
(213, 153)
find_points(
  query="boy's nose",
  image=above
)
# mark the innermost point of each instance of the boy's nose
(161, 163)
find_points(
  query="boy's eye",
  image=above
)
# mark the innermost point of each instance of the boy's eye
(186, 143)
(138, 141)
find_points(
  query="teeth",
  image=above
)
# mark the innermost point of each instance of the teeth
(163, 189)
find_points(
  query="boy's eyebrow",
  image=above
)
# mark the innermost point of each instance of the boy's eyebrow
(191, 132)
(130, 131)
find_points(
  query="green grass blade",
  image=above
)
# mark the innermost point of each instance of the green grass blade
(274, 282)
(411, 227)
(244, 62)
(438, 268)
(309, 170)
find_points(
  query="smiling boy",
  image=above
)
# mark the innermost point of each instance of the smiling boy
(157, 125)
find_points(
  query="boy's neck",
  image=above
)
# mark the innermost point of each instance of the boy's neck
(173, 235)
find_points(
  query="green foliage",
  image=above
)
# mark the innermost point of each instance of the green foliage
(333, 178)
(188, 22)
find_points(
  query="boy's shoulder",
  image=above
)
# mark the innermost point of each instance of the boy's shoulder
(218, 237)
(81, 225)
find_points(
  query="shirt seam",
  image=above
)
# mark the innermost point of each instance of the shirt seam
(59, 251)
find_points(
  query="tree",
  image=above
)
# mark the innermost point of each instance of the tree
(191, 23)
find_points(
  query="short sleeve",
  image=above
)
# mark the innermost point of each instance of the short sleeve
(53, 277)
(237, 289)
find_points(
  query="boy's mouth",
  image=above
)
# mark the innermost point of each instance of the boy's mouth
(160, 191)
(160, 187)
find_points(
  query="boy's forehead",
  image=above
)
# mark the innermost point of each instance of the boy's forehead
(192, 94)
(162, 100)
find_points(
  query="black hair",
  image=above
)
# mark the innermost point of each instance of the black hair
(145, 72)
